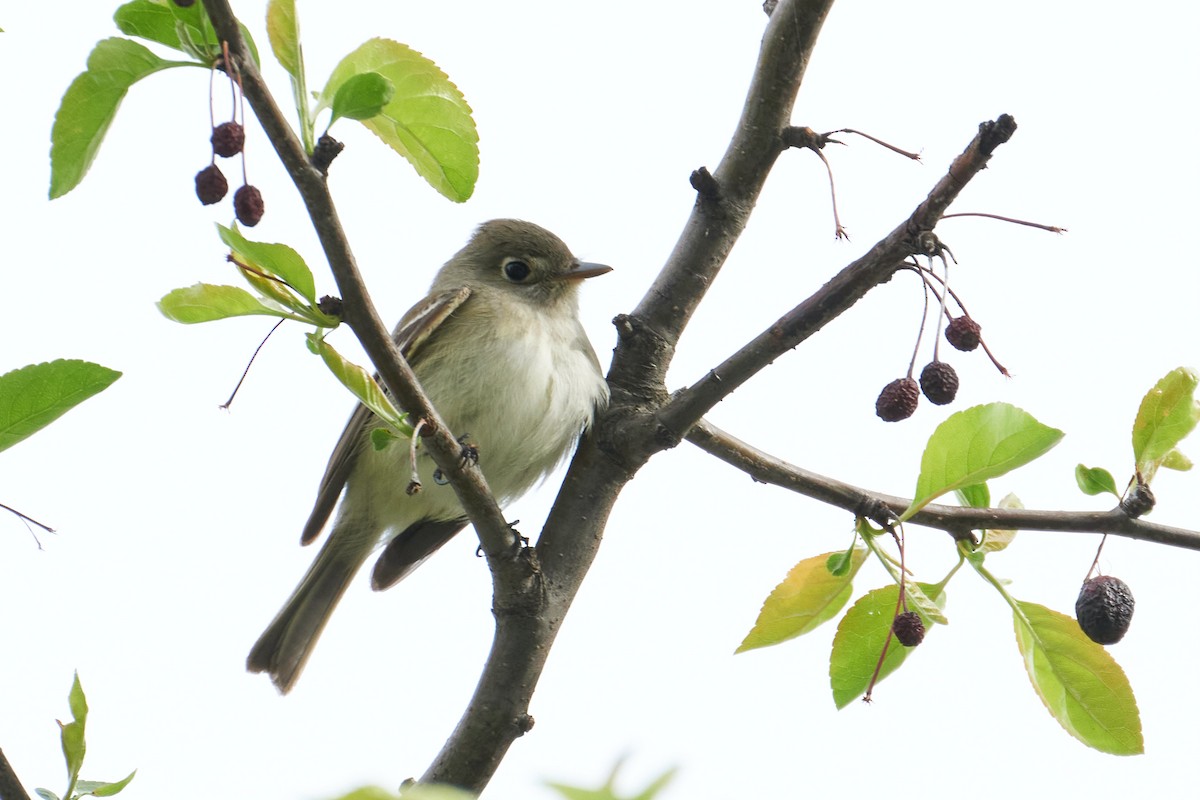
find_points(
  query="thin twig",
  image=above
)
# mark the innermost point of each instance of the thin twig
(838, 231)
(1038, 225)
(249, 364)
(928, 274)
(27, 518)
(880, 142)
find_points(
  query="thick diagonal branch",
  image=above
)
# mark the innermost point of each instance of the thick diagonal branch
(10, 786)
(723, 204)
(622, 441)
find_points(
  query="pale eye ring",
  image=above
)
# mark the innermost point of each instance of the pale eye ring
(516, 270)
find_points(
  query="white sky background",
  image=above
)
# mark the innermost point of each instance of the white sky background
(178, 522)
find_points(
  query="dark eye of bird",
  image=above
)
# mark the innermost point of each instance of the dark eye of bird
(516, 270)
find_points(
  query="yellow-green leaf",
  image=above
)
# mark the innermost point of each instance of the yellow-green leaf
(204, 302)
(1083, 688)
(995, 540)
(427, 119)
(807, 597)
(1177, 461)
(360, 383)
(283, 31)
(978, 444)
(274, 259)
(1167, 414)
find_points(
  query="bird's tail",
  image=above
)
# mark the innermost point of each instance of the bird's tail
(288, 641)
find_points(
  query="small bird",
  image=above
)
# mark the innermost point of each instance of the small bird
(499, 349)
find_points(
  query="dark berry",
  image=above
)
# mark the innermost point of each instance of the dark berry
(248, 205)
(1138, 501)
(1104, 609)
(211, 185)
(898, 400)
(939, 382)
(185, 3)
(908, 628)
(963, 333)
(228, 139)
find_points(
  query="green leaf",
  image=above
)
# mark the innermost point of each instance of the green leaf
(195, 31)
(197, 37)
(103, 788)
(275, 259)
(34, 396)
(859, 641)
(382, 438)
(1167, 414)
(283, 31)
(977, 496)
(976, 445)
(1095, 480)
(919, 601)
(609, 790)
(360, 383)
(839, 564)
(148, 20)
(1084, 689)
(46, 794)
(996, 540)
(205, 302)
(1177, 461)
(90, 104)
(377, 793)
(427, 120)
(73, 744)
(809, 596)
(362, 96)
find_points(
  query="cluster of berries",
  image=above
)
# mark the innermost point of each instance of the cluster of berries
(939, 381)
(228, 140)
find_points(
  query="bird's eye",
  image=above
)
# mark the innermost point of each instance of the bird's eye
(516, 270)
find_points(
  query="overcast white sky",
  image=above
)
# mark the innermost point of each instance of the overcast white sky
(178, 522)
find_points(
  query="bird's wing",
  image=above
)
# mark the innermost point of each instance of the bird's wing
(410, 548)
(411, 333)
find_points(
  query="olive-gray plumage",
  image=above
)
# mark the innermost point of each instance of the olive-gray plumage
(498, 348)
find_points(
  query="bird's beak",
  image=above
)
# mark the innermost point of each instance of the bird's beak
(585, 269)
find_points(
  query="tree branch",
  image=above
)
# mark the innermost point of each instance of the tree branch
(358, 310)
(10, 785)
(955, 520)
(626, 434)
(722, 208)
(842, 291)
